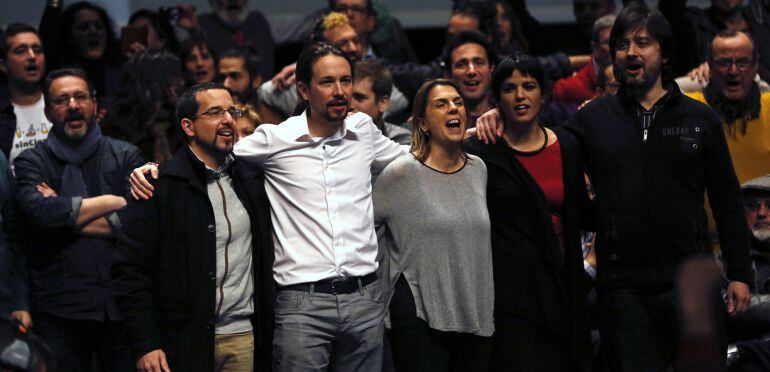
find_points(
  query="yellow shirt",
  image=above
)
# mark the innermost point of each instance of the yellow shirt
(750, 152)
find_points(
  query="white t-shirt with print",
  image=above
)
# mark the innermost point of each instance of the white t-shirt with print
(31, 126)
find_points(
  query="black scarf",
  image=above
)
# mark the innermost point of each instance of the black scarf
(734, 113)
(73, 183)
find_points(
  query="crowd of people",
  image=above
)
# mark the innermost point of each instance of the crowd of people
(587, 198)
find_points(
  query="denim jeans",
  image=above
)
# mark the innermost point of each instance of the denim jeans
(316, 330)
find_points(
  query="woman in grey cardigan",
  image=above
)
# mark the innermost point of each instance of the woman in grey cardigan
(437, 242)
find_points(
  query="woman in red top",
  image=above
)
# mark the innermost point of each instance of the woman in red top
(536, 196)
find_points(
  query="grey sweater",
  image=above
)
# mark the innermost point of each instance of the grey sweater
(438, 237)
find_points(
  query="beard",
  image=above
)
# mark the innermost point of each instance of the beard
(239, 20)
(734, 113)
(762, 234)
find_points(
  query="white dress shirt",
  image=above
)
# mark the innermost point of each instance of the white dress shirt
(320, 195)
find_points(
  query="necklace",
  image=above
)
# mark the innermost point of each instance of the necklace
(529, 153)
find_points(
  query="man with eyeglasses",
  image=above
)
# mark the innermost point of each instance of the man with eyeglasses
(734, 94)
(70, 189)
(22, 60)
(194, 277)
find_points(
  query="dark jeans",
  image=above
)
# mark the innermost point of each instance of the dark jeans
(417, 347)
(74, 343)
(640, 327)
(523, 346)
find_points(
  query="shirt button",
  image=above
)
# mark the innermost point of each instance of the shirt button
(697, 129)
(613, 257)
(695, 146)
(212, 276)
(212, 228)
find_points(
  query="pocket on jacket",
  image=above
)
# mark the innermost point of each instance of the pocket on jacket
(689, 145)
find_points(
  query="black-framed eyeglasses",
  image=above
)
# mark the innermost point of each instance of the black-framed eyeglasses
(64, 100)
(218, 113)
(741, 63)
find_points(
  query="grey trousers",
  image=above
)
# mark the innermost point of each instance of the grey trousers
(316, 330)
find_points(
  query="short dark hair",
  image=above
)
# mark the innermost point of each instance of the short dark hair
(468, 37)
(382, 80)
(526, 65)
(313, 53)
(64, 72)
(483, 11)
(187, 105)
(726, 34)
(636, 15)
(369, 6)
(250, 61)
(13, 30)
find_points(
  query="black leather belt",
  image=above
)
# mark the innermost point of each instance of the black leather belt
(335, 285)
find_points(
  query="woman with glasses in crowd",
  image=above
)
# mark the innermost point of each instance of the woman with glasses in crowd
(536, 195)
(432, 203)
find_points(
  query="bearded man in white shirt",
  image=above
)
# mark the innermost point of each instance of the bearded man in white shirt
(318, 168)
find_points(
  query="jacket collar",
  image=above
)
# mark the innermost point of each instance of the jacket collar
(673, 93)
(186, 165)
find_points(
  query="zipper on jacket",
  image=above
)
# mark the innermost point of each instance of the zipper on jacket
(647, 117)
(227, 245)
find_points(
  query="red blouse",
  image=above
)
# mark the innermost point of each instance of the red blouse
(546, 168)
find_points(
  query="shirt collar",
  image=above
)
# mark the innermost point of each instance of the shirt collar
(212, 173)
(301, 132)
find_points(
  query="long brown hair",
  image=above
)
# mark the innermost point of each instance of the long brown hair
(421, 139)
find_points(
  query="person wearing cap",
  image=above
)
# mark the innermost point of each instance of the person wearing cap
(756, 196)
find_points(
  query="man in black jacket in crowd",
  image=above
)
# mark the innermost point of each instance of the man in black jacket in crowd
(69, 189)
(652, 153)
(194, 276)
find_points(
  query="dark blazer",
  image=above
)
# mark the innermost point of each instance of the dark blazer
(165, 275)
(531, 279)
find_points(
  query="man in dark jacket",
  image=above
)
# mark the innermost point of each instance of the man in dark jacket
(13, 271)
(69, 188)
(194, 274)
(652, 153)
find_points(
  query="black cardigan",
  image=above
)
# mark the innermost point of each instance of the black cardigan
(531, 279)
